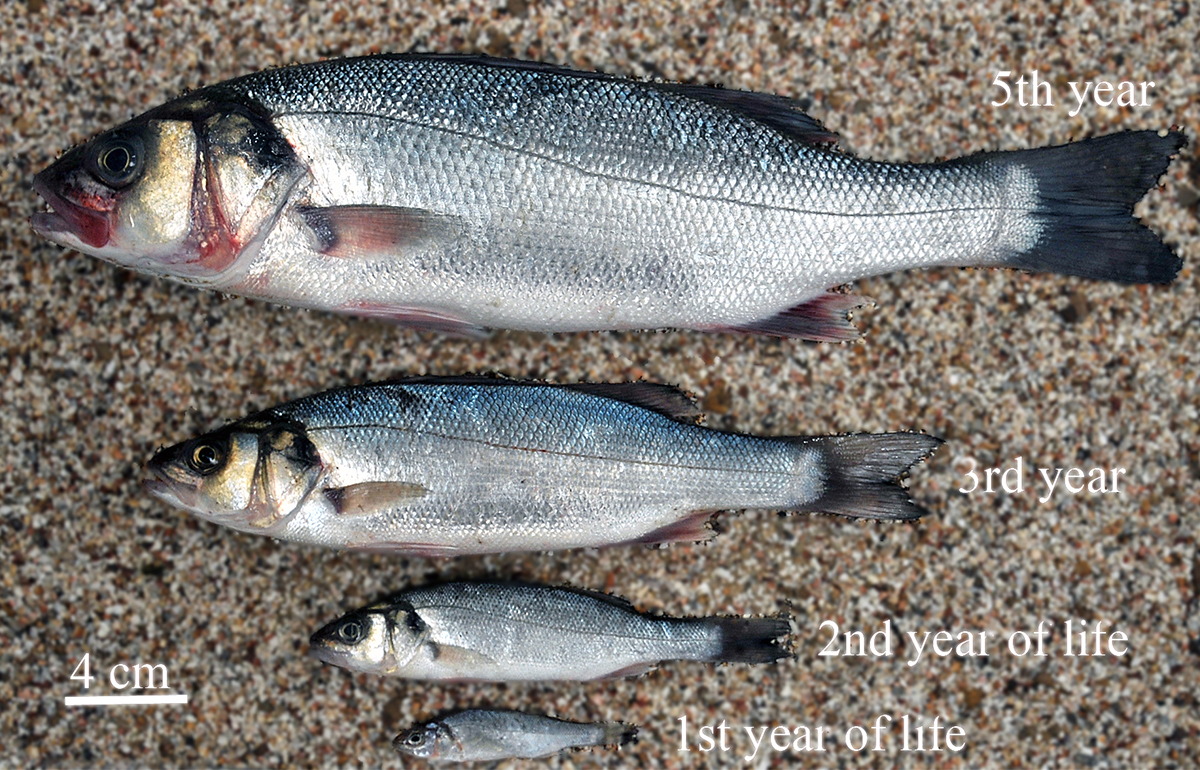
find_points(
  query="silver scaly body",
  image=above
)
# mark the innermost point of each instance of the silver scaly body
(444, 467)
(583, 203)
(485, 734)
(518, 632)
(462, 193)
(514, 632)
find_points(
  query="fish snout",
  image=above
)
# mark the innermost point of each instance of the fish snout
(67, 221)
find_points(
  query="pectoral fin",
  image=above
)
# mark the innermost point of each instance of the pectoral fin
(458, 658)
(372, 497)
(424, 550)
(375, 232)
(422, 319)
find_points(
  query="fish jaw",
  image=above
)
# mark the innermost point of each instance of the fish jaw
(144, 222)
(189, 497)
(346, 660)
(80, 213)
(328, 654)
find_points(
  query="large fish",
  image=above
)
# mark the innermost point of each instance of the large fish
(485, 734)
(511, 632)
(462, 193)
(449, 466)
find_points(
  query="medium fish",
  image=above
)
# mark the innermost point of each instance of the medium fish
(450, 466)
(464, 193)
(481, 734)
(509, 632)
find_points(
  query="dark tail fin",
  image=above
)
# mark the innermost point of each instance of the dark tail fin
(863, 471)
(619, 734)
(1087, 191)
(751, 640)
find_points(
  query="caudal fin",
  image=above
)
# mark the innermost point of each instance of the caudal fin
(1086, 194)
(863, 472)
(619, 734)
(751, 640)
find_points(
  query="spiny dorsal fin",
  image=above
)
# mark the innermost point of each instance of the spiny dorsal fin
(664, 399)
(778, 112)
(667, 400)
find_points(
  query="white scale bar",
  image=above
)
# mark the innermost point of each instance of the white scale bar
(125, 700)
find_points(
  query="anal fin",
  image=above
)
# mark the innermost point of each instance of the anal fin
(822, 319)
(637, 669)
(692, 528)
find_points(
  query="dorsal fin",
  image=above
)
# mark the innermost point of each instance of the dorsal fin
(667, 400)
(778, 112)
(619, 602)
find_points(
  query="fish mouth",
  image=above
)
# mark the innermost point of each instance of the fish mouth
(167, 489)
(67, 219)
(325, 654)
(165, 492)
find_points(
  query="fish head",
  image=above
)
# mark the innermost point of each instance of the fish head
(188, 190)
(427, 741)
(252, 475)
(379, 639)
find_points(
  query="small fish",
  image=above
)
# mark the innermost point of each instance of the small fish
(468, 465)
(510, 632)
(480, 734)
(465, 193)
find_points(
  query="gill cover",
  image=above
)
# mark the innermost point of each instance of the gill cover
(244, 173)
(289, 468)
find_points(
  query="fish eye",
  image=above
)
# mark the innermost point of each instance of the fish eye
(205, 459)
(415, 738)
(116, 161)
(350, 631)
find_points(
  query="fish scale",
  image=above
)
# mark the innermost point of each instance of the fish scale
(460, 194)
(524, 632)
(698, 166)
(474, 735)
(448, 466)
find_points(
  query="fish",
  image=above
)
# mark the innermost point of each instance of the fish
(513, 632)
(467, 193)
(447, 466)
(485, 734)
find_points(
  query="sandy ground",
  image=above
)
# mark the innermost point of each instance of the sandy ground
(102, 366)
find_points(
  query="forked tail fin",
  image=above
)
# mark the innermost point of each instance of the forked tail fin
(751, 640)
(1086, 192)
(863, 471)
(619, 734)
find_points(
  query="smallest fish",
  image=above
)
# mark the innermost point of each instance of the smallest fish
(483, 734)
